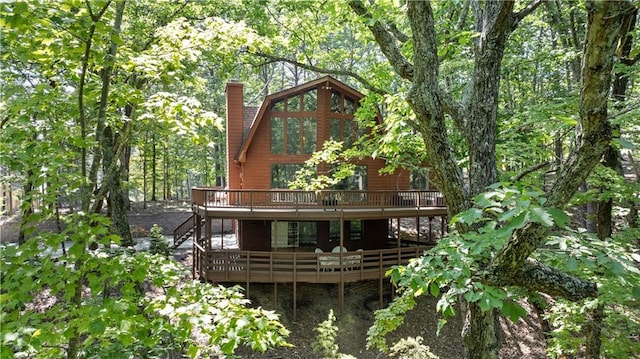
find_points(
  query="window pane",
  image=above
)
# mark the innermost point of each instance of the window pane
(419, 179)
(334, 231)
(283, 174)
(292, 234)
(309, 135)
(352, 183)
(310, 101)
(293, 104)
(335, 102)
(293, 135)
(308, 234)
(349, 133)
(356, 230)
(277, 135)
(278, 106)
(334, 125)
(349, 106)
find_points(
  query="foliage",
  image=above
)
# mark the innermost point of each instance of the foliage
(325, 343)
(613, 265)
(133, 304)
(605, 184)
(411, 348)
(453, 268)
(158, 244)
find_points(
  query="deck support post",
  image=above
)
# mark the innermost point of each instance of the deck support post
(207, 233)
(417, 230)
(295, 301)
(430, 229)
(341, 299)
(380, 294)
(398, 234)
(295, 287)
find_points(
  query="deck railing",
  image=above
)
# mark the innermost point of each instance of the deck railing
(298, 267)
(215, 197)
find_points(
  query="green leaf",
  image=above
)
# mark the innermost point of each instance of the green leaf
(513, 310)
(469, 216)
(625, 144)
(559, 216)
(540, 215)
(20, 7)
(441, 324)
(434, 289)
(97, 327)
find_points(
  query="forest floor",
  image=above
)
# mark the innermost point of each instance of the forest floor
(523, 339)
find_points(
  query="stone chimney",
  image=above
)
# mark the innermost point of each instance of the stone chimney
(235, 126)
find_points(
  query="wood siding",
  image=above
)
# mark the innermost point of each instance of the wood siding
(255, 172)
(235, 104)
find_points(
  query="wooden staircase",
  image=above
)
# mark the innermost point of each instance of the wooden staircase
(185, 231)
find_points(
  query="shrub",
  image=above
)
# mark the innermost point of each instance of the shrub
(411, 348)
(159, 244)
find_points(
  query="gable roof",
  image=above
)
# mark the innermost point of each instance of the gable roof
(329, 82)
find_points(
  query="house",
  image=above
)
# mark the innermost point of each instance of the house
(339, 235)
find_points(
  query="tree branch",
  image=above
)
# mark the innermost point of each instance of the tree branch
(368, 85)
(454, 109)
(386, 41)
(517, 17)
(399, 35)
(531, 169)
(539, 277)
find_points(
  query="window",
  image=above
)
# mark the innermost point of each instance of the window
(356, 182)
(293, 104)
(334, 231)
(355, 230)
(342, 104)
(335, 130)
(349, 106)
(277, 135)
(348, 133)
(419, 178)
(308, 234)
(299, 137)
(293, 135)
(309, 134)
(344, 130)
(283, 174)
(278, 106)
(310, 101)
(335, 102)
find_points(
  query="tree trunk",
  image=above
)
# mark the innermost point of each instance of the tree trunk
(612, 160)
(592, 332)
(113, 181)
(153, 168)
(27, 208)
(479, 333)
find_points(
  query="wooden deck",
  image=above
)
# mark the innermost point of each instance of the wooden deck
(298, 267)
(316, 205)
